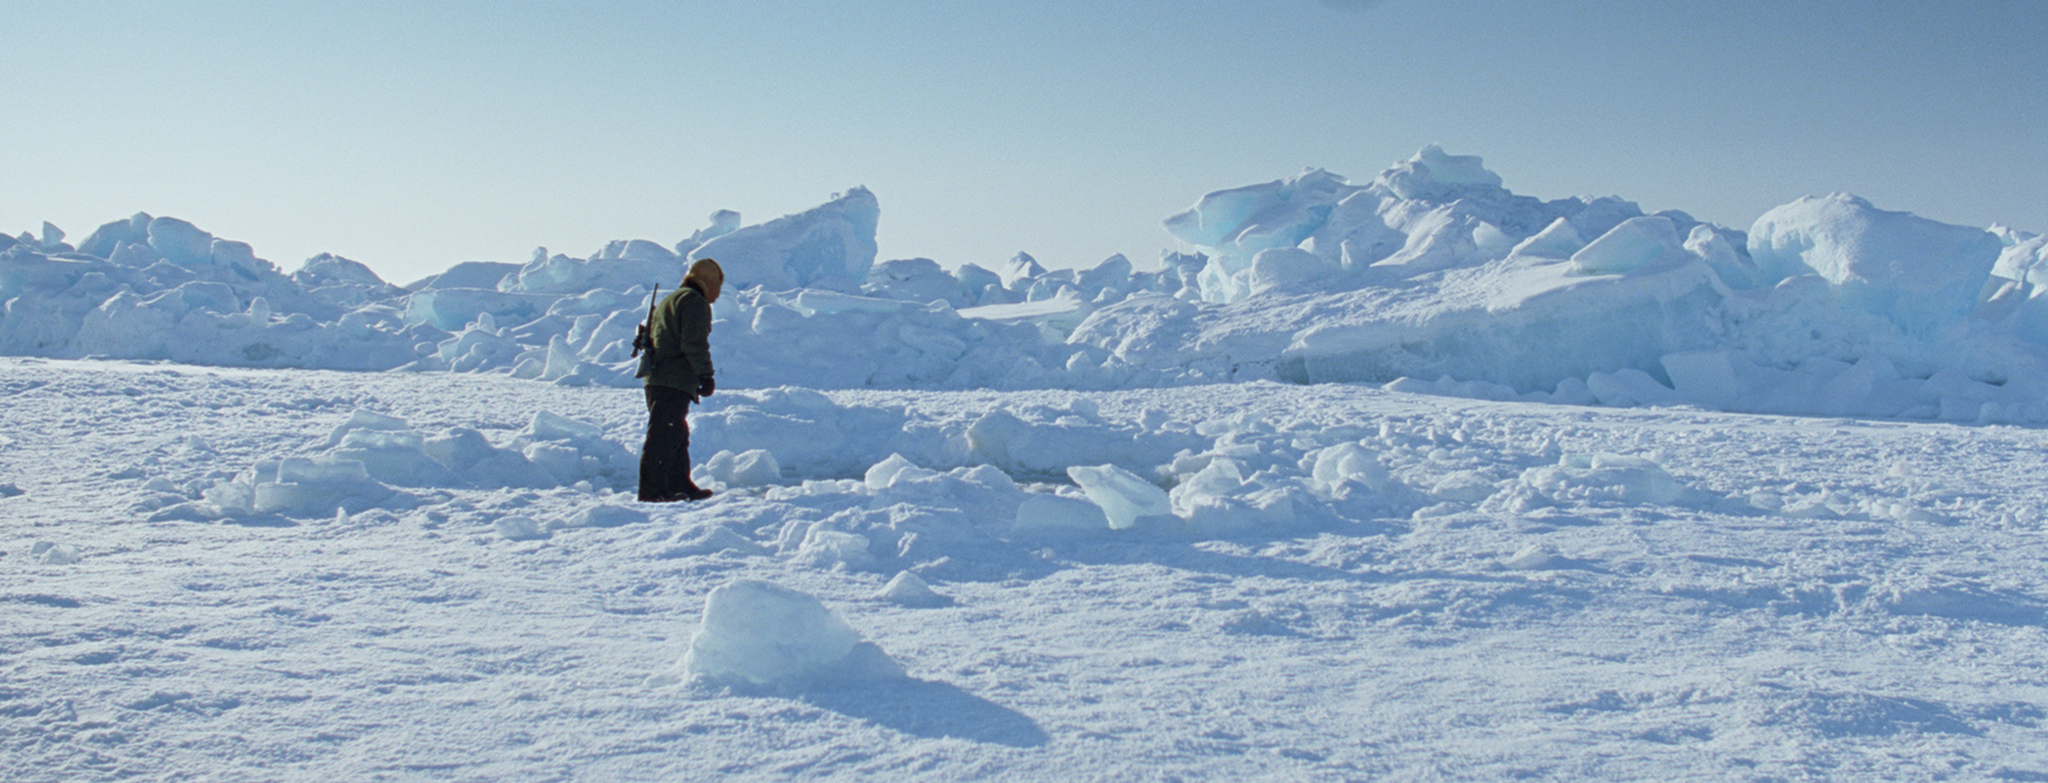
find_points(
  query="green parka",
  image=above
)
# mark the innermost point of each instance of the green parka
(682, 340)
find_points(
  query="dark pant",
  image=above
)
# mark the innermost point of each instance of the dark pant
(665, 457)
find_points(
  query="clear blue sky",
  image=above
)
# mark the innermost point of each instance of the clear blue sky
(413, 135)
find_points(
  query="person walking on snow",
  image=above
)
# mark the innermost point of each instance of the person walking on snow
(677, 373)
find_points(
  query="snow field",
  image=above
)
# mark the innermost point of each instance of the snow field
(1343, 583)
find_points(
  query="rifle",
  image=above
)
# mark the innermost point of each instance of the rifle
(643, 335)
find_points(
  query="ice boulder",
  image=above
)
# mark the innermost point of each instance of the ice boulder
(750, 468)
(1916, 272)
(519, 528)
(908, 589)
(1243, 221)
(916, 280)
(1434, 175)
(1557, 240)
(395, 457)
(570, 451)
(1124, 497)
(1638, 242)
(52, 553)
(1020, 271)
(180, 242)
(111, 236)
(329, 269)
(610, 270)
(301, 487)
(829, 246)
(1606, 477)
(1284, 268)
(1332, 468)
(757, 635)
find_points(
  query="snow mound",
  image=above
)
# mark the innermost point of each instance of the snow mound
(759, 635)
(367, 457)
(908, 589)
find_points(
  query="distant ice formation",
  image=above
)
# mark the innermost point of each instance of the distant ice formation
(1430, 277)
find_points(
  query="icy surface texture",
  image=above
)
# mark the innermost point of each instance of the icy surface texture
(1669, 589)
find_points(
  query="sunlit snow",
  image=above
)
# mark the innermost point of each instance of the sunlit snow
(1408, 478)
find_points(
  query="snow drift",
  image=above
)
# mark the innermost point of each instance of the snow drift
(1430, 277)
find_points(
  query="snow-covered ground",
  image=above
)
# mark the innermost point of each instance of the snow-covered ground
(1324, 582)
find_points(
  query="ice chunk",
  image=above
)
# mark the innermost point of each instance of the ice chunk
(1243, 221)
(1638, 242)
(330, 269)
(1609, 477)
(1020, 270)
(1111, 275)
(460, 448)
(180, 242)
(1057, 516)
(395, 458)
(1123, 496)
(750, 468)
(830, 246)
(1219, 478)
(301, 487)
(561, 462)
(519, 528)
(724, 221)
(548, 426)
(1464, 486)
(1558, 240)
(361, 419)
(1725, 251)
(916, 280)
(1533, 557)
(1916, 272)
(757, 634)
(452, 309)
(1259, 513)
(110, 237)
(1286, 268)
(824, 547)
(1432, 174)
(978, 283)
(237, 255)
(644, 250)
(812, 303)
(1348, 462)
(896, 468)
(52, 553)
(907, 589)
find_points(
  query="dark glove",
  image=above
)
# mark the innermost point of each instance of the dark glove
(705, 387)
